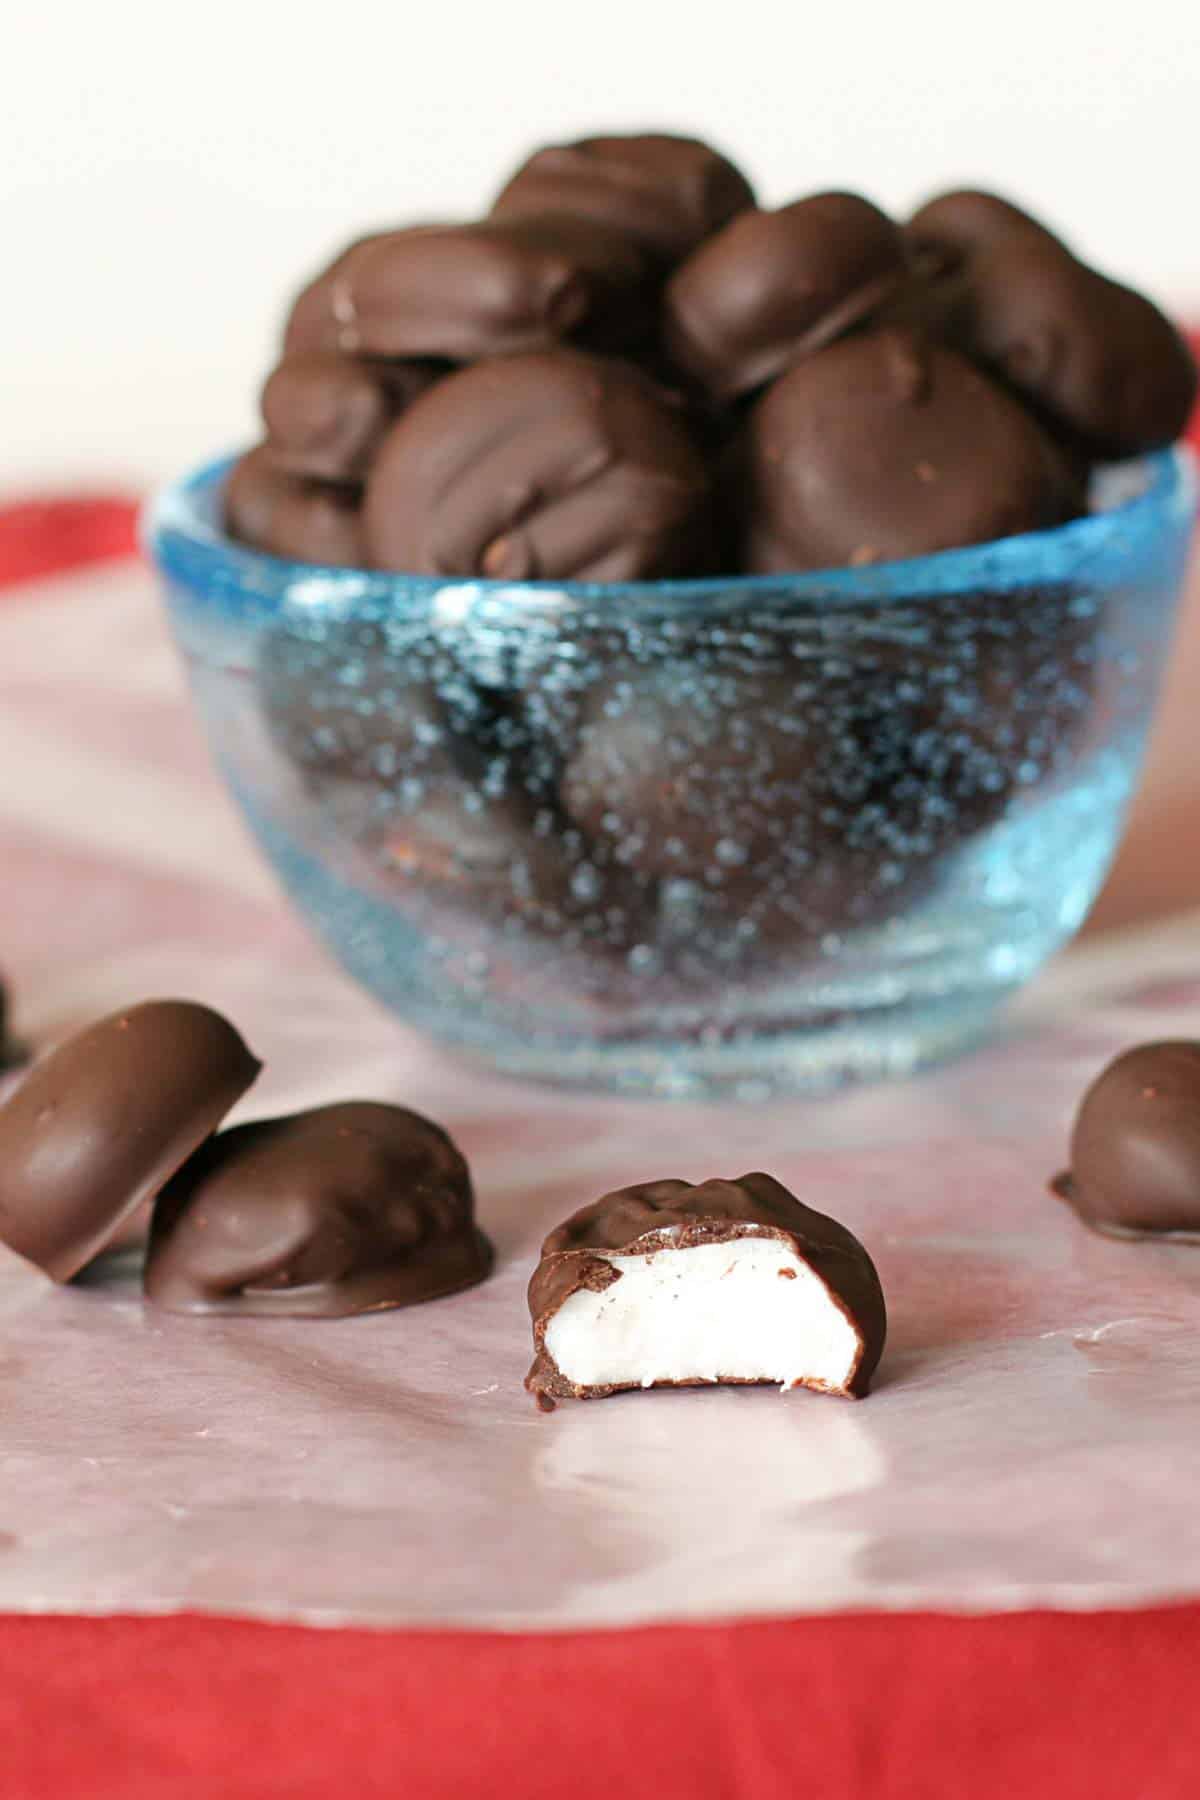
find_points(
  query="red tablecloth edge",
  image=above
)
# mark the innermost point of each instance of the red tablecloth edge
(51, 534)
(1032, 1706)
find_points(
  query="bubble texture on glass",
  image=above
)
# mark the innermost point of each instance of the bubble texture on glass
(714, 836)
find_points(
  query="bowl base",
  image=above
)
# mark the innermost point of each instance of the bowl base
(806, 1058)
(920, 992)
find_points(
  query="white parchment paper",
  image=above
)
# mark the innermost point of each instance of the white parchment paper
(1033, 1436)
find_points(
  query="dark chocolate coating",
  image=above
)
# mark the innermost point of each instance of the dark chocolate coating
(623, 283)
(772, 287)
(102, 1122)
(1135, 1146)
(666, 193)
(452, 291)
(489, 288)
(885, 446)
(1097, 359)
(289, 516)
(346, 1209)
(553, 465)
(326, 413)
(967, 219)
(631, 1219)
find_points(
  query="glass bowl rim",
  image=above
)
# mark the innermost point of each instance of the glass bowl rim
(181, 533)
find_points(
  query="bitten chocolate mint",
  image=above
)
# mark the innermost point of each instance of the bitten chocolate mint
(673, 1285)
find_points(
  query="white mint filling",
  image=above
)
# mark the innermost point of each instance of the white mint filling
(746, 1309)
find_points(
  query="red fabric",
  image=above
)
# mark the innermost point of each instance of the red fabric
(1031, 1707)
(47, 536)
(1035, 1706)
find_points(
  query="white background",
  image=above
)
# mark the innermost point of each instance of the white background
(169, 175)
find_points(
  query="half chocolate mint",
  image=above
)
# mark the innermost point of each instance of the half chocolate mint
(103, 1121)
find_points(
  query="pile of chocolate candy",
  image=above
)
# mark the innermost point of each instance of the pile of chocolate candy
(629, 371)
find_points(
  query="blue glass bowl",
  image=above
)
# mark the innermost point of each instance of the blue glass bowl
(736, 835)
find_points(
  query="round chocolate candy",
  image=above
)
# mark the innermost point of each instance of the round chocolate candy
(554, 465)
(326, 413)
(772, 287)
(1135, 1145)
(345, 1209)
(459, 292)
(290, 516)
(102, 1122)
(885, 446)
(667, 193)
(1095, 358)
